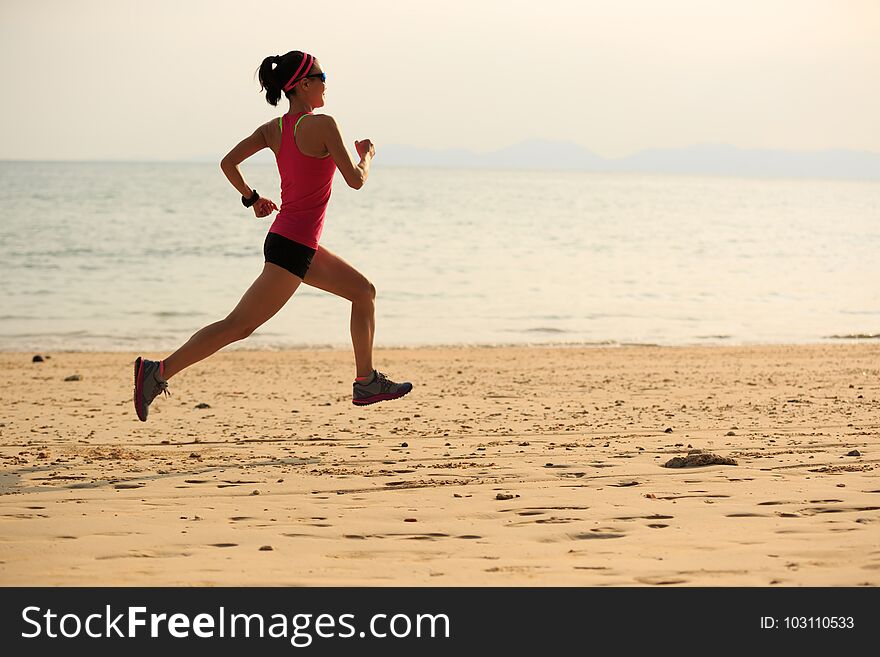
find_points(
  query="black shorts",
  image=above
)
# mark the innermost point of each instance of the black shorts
(292, 256)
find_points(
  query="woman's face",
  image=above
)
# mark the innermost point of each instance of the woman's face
(313, 88)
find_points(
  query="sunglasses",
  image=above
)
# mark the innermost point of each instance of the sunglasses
(323, 76)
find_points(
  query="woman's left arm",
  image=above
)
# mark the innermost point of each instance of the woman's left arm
(229, 165)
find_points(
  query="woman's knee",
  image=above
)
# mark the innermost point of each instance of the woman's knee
(366, 293)
(236, 328)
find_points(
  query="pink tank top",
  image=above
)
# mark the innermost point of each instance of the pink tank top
(305, 188)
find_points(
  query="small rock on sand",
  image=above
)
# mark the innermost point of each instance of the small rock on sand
(855, 452)
(697, 458)
(73, 377)
(203, 405)
(37, 359)
(504, 496)
(266, 548)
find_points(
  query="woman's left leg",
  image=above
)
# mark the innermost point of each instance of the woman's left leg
(332, 274)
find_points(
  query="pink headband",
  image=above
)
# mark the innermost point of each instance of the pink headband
(304, 67)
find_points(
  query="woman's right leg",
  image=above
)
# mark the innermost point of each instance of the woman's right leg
(264, 298)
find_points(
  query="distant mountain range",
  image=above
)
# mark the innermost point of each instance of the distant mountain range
(707, 159)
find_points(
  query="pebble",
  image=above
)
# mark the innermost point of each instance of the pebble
(504, 496)
(203, 405)
(37, 359)
(266, 548)
(73, 377)
(256, 492)
(855, 452)
(668, 429)
(404, 444)
(410, 520)
(697, 458)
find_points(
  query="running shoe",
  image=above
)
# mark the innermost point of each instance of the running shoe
(379, 388)
(147, 384)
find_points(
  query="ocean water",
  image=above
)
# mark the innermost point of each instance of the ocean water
(128, 256)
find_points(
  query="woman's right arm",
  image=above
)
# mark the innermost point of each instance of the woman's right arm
(243, 150)
(355, 174)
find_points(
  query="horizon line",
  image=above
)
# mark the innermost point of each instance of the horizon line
(205, 158)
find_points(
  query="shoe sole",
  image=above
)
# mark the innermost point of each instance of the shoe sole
(378, 398)
(138, 385)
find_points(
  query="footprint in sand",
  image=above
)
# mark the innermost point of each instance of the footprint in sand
(811, 511)
(660, 580)
(553, 520)
(680, 497)
(595, 534)
(145, 554)
(424, 537)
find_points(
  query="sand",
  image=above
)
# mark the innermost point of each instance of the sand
(505, 466)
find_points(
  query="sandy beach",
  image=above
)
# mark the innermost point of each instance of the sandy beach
(505, 466)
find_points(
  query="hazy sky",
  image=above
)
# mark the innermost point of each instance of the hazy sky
(159, 79)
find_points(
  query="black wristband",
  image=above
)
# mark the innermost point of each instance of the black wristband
(248, 202)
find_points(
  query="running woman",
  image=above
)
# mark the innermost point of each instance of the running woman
(309, 149)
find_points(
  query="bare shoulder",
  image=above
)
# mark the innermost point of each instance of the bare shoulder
(271, 127)
(271, 131)
(324, 122)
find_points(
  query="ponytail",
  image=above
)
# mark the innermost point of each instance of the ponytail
(278, 71)
(268, 79)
